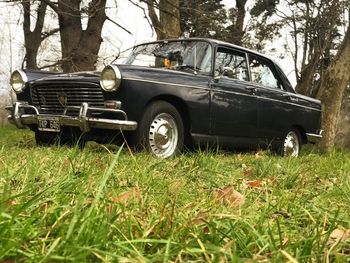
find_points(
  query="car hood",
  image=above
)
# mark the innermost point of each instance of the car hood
(34, 75)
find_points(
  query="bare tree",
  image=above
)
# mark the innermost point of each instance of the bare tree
(32, 39)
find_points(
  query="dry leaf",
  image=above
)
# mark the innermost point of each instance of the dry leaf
(247, 171)
(340, 234)
(11, 202)
(285, 241)
(133, 193)
(228, 196)
(272, 180)
(66, 162)
(254, 183)
(200, 218)
(99, 164)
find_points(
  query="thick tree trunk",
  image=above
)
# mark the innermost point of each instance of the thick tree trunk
(170, 18)
(333, 85)
(168, 23)
(342, 137)
(80, 47)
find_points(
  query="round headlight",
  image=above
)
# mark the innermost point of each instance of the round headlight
(18, 80)
(110, 78)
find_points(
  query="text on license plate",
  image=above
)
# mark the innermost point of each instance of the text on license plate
(48, 124)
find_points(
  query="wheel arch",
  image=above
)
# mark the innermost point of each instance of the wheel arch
(301, 131)
(182, 108)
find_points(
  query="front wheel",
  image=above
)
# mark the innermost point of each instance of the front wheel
(160, 130)
(292, 144)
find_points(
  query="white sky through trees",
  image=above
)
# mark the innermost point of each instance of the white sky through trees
(114, 38)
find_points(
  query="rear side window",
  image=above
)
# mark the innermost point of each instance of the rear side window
(263, 72)
(231, 64)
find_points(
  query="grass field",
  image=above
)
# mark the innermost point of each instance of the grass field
(102, 204)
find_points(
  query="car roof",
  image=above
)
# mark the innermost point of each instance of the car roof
(212, 41)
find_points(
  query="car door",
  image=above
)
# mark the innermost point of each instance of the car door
(275, 110)
(233, 99)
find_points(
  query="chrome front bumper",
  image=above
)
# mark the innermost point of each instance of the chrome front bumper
(83, 121)
(314, 137)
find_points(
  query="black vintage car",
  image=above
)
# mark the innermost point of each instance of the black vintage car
(168, 95)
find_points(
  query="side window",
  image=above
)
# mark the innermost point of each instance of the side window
(231, 64)
(262, 73)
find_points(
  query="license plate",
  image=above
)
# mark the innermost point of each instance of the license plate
(49, 124)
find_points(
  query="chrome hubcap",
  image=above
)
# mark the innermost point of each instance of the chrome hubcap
(291, 144)
(163, 135)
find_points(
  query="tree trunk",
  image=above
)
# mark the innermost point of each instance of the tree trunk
(333, 85)
(238, 27)
(80, 47)
(32, 39)
(168, 23)
(342, 137)
(305, 84)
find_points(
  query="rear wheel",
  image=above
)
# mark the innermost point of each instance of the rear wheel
(292, 144)
(160, 130)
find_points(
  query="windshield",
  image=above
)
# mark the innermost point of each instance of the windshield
(176, 55)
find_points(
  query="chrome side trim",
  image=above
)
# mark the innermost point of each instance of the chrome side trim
(82, 121)
(167, 83)
(314, 137)
(265, 98)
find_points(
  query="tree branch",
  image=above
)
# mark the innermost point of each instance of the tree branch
(118, 25)
(144, 13)
(45, 35)
(51, 4)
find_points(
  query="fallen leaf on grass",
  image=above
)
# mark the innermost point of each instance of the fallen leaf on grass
(272, 180)
(11, 202)
(100, 165)
(66, 163)
(340, 234)
(132, 194)
(254, 183)
(200, 218)
(250, 184)
(285, 241)
(247, 171)
(228, 196)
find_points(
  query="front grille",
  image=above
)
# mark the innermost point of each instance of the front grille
(51, 98)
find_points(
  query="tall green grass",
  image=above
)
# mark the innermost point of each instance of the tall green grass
(102, 204)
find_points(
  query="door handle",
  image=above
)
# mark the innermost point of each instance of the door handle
(252, 90)
(290, 97)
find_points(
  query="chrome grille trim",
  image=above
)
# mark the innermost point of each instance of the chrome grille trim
(45, 96)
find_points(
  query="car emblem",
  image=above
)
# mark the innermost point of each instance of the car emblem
(62, 99)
